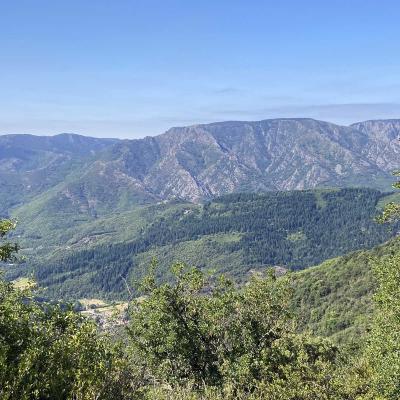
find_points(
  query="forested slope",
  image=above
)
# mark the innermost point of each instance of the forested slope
(232, 234)
(335, 298)
(199, 338)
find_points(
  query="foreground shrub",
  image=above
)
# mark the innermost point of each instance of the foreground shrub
(203, 333)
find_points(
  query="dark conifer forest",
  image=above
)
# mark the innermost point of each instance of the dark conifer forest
(293, 230)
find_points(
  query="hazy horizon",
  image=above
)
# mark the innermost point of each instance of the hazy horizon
(177, 126)
(132, 69)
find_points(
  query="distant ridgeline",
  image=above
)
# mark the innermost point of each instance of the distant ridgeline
(231, 234)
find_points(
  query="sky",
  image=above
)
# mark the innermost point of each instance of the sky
(116, 68)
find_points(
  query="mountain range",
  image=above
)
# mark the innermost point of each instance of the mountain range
(195, 163)
(93, 210)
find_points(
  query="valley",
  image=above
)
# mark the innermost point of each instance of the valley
(74, 257)
(93, 214)
(200, 200)
(97, 216)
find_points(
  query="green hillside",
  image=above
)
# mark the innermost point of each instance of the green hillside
(272, 323)
(76, 255)
(335, 298)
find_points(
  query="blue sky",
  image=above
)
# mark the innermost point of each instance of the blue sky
(134, 68)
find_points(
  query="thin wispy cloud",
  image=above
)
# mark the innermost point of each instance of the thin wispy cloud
(228, 91)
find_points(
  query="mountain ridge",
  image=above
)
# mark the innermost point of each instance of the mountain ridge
(199, 162)
(73, 193)
(196, 125)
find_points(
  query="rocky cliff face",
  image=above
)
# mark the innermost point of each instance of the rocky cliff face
(383, 144)
(203, 161)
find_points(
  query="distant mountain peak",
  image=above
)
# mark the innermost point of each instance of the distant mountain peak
(202, 161)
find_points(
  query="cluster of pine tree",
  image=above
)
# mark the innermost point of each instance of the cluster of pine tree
(293, 229)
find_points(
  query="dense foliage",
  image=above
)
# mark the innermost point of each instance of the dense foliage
(197, 337)
(7, 249)
(383, 351)
(295, 229)
(240, 342)
(232, 234)
(47, 352)
(335, 298)
(384, 346)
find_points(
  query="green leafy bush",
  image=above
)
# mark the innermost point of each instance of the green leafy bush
(200, 332)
